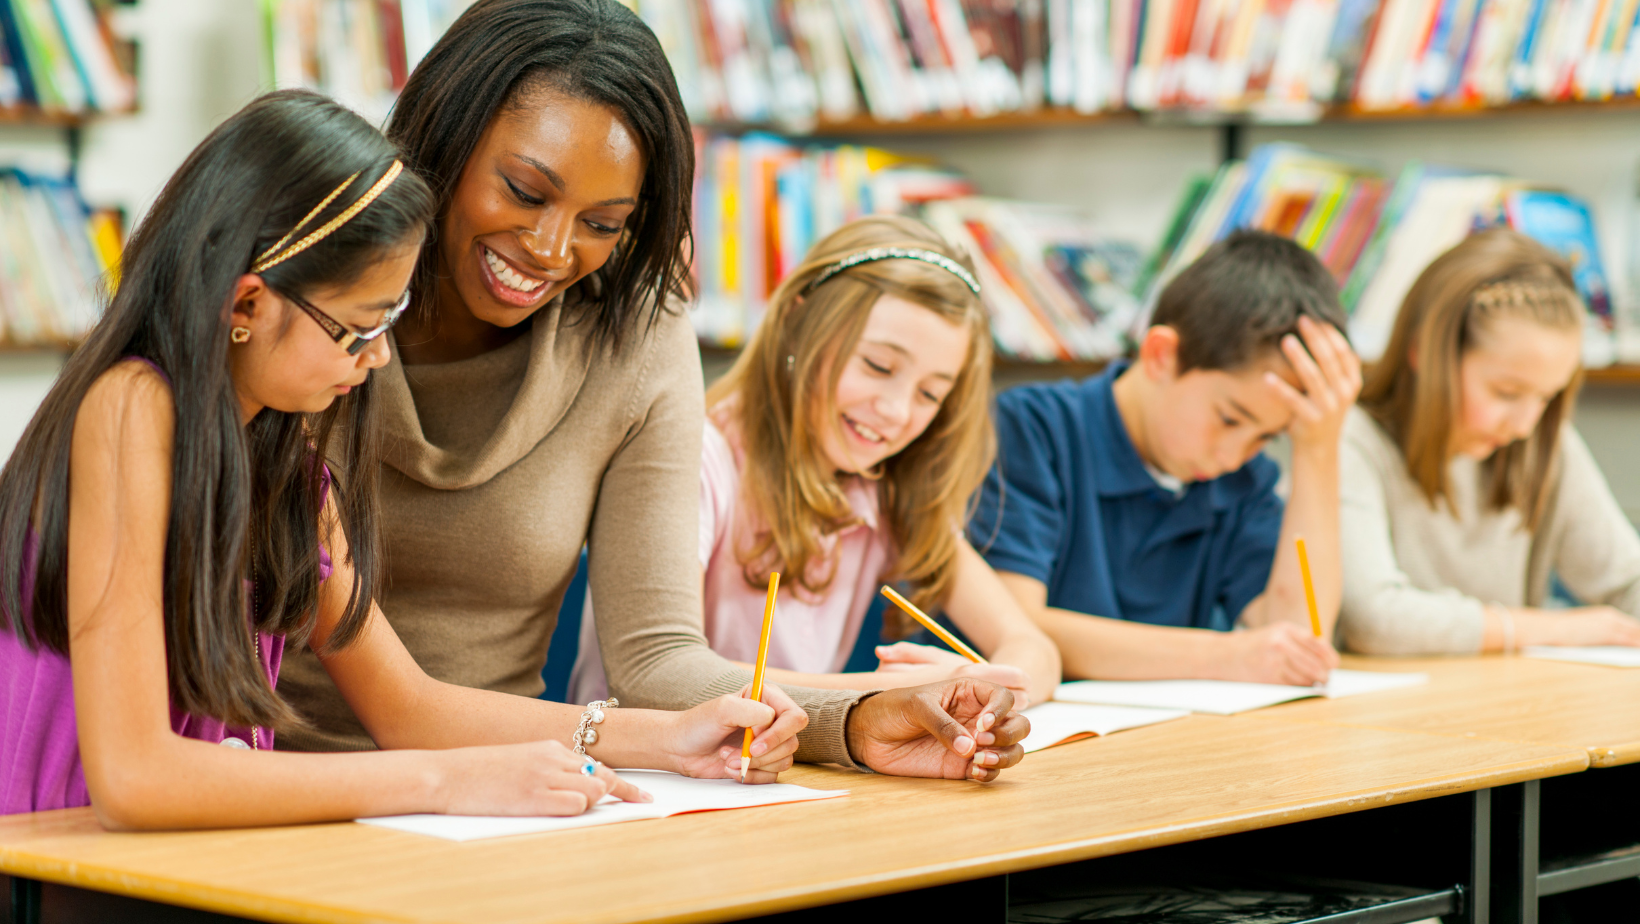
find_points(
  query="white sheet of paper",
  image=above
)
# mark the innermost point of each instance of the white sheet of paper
(674, 795)
(1225, 697)
(1052, 723)
(1609, 655)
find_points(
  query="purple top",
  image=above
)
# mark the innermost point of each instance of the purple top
(39, 739)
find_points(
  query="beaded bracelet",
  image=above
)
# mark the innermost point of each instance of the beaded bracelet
(585, 734)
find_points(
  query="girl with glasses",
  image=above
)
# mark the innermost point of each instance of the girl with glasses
(170, 527)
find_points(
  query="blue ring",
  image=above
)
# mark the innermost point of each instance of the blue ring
(590, 768)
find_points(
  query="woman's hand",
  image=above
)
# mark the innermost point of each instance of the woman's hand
(1581, 625)
(912, 665)
(705, 741)
(959, 729)
(537, 778)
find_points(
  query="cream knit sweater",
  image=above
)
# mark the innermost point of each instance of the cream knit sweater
(498, 468)
(1416, 577)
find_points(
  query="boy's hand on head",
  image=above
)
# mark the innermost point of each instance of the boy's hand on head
(1281, 652)
(1331, 375)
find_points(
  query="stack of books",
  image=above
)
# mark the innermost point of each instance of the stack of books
(1056, 287)
(57, 259)
(1376, 236)
(359, 52)
(59, 57)
(762, 202)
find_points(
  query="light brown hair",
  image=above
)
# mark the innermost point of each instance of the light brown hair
(780, 394)
(1493, 274)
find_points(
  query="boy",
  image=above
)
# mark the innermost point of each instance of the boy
(1133, 515)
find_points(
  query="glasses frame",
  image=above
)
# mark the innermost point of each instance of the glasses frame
(350, 340)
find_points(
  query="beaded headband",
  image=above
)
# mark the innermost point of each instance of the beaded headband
(1514, 293)
(273, 256)
(897, 253)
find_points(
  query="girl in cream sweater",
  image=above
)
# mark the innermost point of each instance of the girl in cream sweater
(1464, 486)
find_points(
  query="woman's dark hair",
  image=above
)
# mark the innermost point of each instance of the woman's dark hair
(241, 190)
(593, 50)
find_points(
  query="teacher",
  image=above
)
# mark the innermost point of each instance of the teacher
(545, 392)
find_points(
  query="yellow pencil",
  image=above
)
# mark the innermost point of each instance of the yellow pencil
(932, 626)
(757, 673)
(1309, 588)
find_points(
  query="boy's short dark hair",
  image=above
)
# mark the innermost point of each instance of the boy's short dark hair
(1242, 296)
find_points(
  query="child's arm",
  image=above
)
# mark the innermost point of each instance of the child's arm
(1096, 647)
(401, 707)
(983, 609)
(1331, 375)
(139, 772)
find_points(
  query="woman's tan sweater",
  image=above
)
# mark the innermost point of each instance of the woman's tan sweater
(497, 469)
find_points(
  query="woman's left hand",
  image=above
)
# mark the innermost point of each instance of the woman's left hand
(706, 740)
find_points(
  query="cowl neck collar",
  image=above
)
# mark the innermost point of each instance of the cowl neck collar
(549, 365)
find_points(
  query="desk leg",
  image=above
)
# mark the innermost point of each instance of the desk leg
(25, 901)
(1515, 818)
(1478, 894)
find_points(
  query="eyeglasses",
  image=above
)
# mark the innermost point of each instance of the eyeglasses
(354, 342)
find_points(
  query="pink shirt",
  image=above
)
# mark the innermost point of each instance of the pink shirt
(810, 634)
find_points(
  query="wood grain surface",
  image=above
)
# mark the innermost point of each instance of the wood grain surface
(1193, 778)
(1506, 698)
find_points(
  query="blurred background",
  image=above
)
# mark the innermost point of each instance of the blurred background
(1081, 150)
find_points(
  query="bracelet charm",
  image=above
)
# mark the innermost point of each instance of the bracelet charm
(585, 735)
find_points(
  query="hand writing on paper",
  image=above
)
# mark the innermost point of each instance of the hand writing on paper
(706, 740)
(537, 778)
(911, 665)
(1281, 652)
(954, 730)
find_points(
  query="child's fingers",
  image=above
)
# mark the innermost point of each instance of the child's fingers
(1310, 376)
(1325, 353)
(1301, 406)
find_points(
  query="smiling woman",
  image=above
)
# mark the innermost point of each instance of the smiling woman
(546, 394)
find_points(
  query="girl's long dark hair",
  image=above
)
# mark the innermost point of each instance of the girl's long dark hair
(242, 189)
(596, 50)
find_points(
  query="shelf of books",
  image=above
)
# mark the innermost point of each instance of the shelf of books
(868, 65)
(60, 63)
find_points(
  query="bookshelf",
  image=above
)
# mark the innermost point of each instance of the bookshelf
(864, 126)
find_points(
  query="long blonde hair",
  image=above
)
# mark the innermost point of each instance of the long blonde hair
(781, 391)
(1493, 274)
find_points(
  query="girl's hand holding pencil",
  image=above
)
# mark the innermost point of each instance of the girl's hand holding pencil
(705, 741)
(907, 664)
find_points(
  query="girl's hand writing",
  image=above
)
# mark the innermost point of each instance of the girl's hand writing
(914, 665)
(537, 778)
(705, 741)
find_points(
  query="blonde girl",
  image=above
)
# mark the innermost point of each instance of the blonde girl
(842, 450)
(1464, 485)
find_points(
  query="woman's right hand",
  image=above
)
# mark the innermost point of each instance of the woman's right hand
(1581, 625)
(911, 665)
(535, 778)
(1282, 652)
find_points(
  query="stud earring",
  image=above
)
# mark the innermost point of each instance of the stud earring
(791, 363)
(239, 334)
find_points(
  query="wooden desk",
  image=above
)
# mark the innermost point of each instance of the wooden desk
(1195, 778)
(1502, 698)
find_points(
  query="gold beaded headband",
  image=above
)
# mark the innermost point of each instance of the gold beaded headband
(1513, 293)
(897, 253)
(273, 256)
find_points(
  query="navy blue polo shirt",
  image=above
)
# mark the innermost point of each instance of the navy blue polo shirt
(1071, 504)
